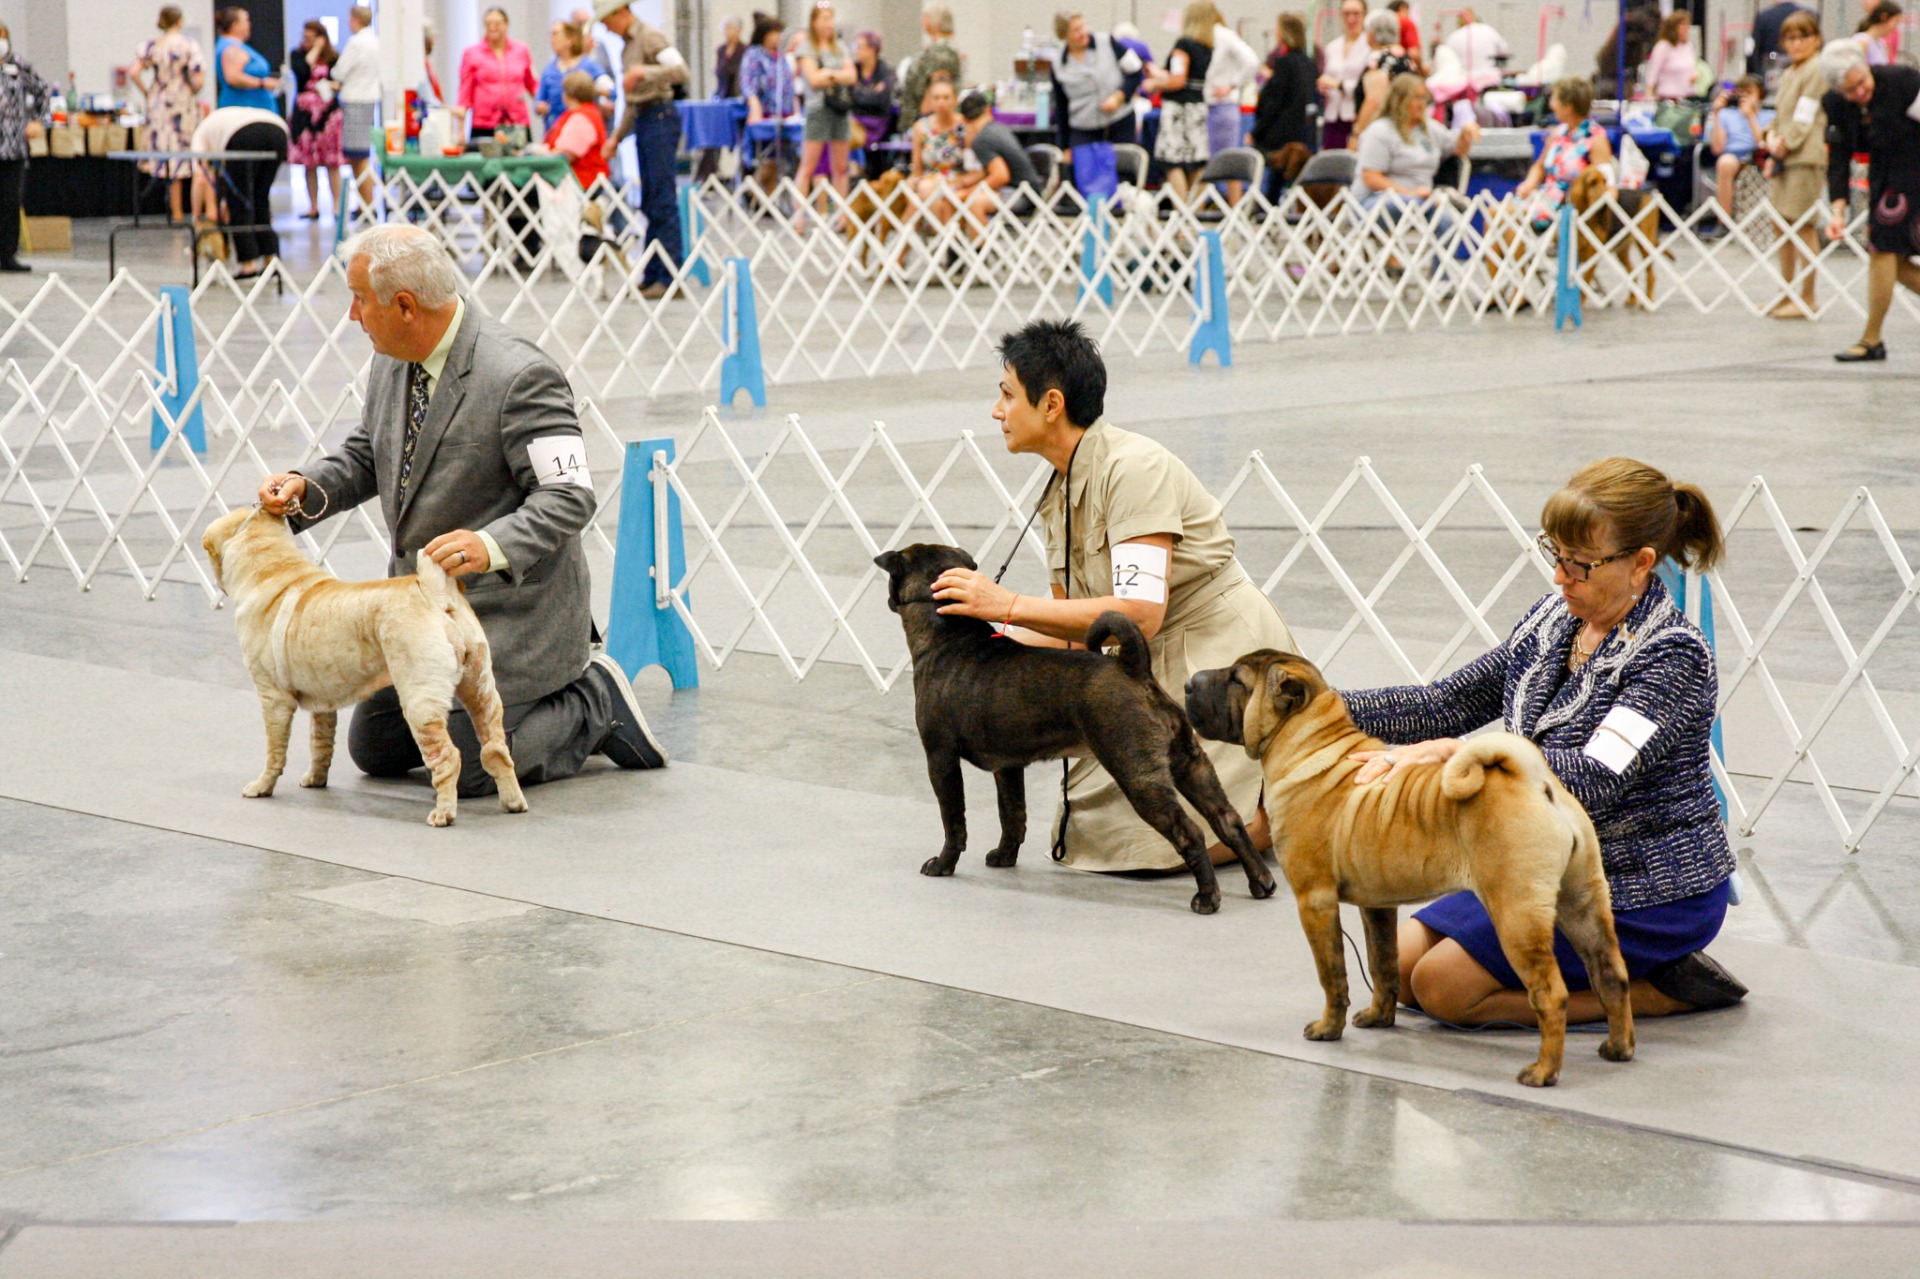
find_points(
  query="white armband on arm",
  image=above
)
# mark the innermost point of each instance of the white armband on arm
(1130, 62)
(1140, 572)
(560, 459)
(1620, 738)
(670, 57)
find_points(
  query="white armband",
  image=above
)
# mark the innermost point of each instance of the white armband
(670, 57)
(1130, 62)
(1808, 107)
(559, 459)
(1140, 572)
(1620, 738)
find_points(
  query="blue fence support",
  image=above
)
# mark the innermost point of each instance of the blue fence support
(179, 364)
(740, 368)
(689, 236)
(1095, 247)
(650, 555)
(1676, 583)
(1210, 304)
(1566, 293)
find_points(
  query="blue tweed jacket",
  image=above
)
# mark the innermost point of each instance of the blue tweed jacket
(1627, 734)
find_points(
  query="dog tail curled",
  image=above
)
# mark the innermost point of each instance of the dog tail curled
(439, 588)
(1465, 774)
(1135, 659)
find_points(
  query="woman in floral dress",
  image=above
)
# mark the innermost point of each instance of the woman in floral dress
(316, 140)
(170, 70)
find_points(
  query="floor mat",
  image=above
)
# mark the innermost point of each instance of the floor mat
(830, 874)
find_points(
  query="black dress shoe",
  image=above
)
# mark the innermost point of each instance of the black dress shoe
(629, 742)
(14, 265)
(1698, 981)
(1860, 352)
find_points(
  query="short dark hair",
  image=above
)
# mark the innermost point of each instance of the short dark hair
(974, 105)
(224, 19)
(1057, 355)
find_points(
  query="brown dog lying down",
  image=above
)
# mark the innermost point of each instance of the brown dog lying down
(315, 642)
(1493, 818)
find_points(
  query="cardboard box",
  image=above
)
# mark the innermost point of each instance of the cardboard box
(37, 147)
(64, 142)
(96, 139)
(50, 235)
(119, 138)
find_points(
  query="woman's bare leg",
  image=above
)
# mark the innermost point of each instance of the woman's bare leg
(1257, 831)
(1449, 984)
(313, 187)
(1725, 170)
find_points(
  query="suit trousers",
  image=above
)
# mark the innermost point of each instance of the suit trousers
(13, 186)
(656, 137)
(550, 738)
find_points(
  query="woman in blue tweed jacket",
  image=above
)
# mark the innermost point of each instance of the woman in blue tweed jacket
(1617, 688)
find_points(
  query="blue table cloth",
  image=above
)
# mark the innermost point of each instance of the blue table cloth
(712, 124)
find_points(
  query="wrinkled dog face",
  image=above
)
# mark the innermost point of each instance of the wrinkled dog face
(218, 534)
(1249, 701)
(912, 570)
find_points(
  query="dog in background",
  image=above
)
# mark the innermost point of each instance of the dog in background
(878, 209)
(1493, 818)
(314, 642)
(1638, 234)
(604, 271)
(1001, 705)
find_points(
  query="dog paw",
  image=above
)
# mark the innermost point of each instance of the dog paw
(518, 804)
(1261, 888)
(1325, 1030)
(1538, 1076)
(440, 817)
(1372, 1019)
(1616, 1052)
(259, 788)
(936, 867)
(1000, 859)
(1205, 903)
(314, 781)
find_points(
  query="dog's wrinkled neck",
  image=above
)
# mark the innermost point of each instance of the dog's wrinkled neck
(926, 626)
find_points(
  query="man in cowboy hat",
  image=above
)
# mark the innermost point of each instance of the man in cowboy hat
(651, 68)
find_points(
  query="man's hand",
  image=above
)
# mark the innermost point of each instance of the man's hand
(1837, 229)
(967, 592)
(459, 553)
(278, 492)
(608, 148)
(635, 77)
(1112, 102)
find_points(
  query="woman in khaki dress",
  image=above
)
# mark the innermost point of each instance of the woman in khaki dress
(1147, 540)
(1798, 143)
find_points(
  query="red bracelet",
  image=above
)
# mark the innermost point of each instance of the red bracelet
(1010, 604)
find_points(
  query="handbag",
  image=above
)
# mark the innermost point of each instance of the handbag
(837, 98)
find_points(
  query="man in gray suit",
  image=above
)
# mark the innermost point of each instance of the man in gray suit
(470, 440)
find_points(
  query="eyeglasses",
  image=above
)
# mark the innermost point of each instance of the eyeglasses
(1578, 570)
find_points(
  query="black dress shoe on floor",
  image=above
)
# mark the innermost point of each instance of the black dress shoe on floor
(1860, 352)
(14, 265)
(1698, 981)
(629, 743)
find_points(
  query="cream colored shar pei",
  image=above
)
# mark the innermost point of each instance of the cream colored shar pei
(317, 643)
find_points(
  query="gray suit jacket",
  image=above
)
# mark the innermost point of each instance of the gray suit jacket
(498, 400)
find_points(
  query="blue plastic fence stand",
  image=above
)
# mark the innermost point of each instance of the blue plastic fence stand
(1094, 246)
(1566, 294)
(175, 356)
(689, 236)
(1210, 304)
(640, 633)
(1676, 583)
(740, 369)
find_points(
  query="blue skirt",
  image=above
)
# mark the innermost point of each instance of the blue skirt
(1649, 937)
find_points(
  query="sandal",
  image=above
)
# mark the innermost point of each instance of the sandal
(1860, 352)
(1787, 310)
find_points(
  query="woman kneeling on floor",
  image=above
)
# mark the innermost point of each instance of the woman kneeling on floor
(1618, 688)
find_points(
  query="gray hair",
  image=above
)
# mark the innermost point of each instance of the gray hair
(1839, 58)
(362, 15)
(1383, 27)
(403, 258)
(941, 16)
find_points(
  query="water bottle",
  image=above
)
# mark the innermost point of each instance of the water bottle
(1026, 45)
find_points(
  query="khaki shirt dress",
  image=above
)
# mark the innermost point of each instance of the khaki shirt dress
(1125, 487)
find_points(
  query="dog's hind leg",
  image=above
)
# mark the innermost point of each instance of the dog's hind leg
(1011, 786)
(1587, 920)
(1193, 774)
(320, 738)
(442, 759)
(943, 769)
(478, 694)
(1383, 962)
(1526, 936)
(277, 708)
(1154, 798)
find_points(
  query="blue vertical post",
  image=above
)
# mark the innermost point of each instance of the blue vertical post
(179, 364)
(1566, 294)
(740, 369)
(1210, 303)
(1095, 246)
(1676, 583)
(690, 236)
(650, 555)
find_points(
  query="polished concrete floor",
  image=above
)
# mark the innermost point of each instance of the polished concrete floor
(264, 1028)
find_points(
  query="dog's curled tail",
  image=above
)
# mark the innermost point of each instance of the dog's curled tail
(439, 588)
(1135, 659)
(1465, 773)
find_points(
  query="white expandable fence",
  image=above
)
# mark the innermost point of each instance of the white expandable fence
(779, 527)
(871, 286)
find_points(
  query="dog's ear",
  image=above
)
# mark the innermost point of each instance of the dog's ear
(894, 565)
(967, 559)
(1286, 692)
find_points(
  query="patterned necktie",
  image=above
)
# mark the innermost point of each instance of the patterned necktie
(416, 419)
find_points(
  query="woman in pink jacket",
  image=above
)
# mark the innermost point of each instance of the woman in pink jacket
(496, 76)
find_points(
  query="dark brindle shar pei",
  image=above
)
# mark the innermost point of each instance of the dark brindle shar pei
(1493, 818)
(1001, 705)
